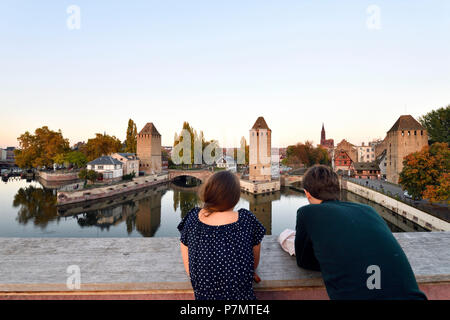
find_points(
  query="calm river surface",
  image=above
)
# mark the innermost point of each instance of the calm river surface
(28, 210)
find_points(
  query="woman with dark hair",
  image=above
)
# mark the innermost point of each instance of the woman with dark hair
(221, 247)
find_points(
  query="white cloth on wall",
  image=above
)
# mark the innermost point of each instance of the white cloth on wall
(287, 241)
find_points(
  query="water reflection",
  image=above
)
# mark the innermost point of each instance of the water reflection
(151, 212)
(261, 206)
(35, 204)
(141, 211)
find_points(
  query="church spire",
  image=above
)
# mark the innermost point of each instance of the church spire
(322, 135)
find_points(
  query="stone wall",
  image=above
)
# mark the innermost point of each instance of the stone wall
(152, 268)
(51, 176)
(260, 187)
(64, 198)
(419, 217)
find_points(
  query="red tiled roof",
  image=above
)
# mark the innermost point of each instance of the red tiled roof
(149, 128)
(260, 124)
(406, 122)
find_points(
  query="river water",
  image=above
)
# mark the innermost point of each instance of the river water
(27, 209)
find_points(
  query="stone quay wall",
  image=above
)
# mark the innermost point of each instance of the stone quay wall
(56, 176)
(64, 198)
(423, 219)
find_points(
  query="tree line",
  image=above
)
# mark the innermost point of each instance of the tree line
(47, 147)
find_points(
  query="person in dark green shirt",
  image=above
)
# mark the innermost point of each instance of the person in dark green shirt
(350, 244)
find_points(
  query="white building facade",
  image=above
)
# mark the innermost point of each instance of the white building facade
(130, 162)
(227, 162)
(110, 168)
(366, 153)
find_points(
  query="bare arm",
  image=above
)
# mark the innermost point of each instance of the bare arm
(185, 256)
(256, 254)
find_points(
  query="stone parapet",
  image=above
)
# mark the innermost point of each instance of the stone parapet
(151, 268)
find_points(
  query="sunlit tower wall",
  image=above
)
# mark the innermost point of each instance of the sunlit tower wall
(260, 152)
(149, 149)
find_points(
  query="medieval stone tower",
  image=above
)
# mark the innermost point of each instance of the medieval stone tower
(149, 149)
(406, 136)
(260, 152)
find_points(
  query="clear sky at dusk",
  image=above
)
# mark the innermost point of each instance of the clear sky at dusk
(220, 65)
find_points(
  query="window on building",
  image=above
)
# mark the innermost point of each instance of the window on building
(100, 167)
(403, 133)
(421, 132)
(409, 133)
(415, 132)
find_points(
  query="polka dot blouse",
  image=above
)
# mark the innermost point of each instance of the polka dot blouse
(221, 262)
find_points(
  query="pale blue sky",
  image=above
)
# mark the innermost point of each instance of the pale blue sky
(220, 65)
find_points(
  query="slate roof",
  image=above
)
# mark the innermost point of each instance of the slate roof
(129, 156)
(149, 128)
(105, 160)
(406, 122)
(381, 156)
(260, 124)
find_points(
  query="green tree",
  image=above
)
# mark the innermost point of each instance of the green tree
(41, 148)
(60, 158)
(90, 175)
(76, 158)
(131, 140)
(83, 174)
(196, 138)
(36, 205)
(437, 123)
(244, 146)
(426, 173)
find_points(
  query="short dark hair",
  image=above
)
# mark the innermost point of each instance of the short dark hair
(322, 183)
(220, 192)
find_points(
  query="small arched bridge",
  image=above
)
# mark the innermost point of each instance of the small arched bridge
(202, 174)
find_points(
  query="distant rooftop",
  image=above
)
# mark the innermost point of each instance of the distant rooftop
(260, 124)
(149, 128)
(366, 166)
(406, 122)
(104, 160)
(127, 155)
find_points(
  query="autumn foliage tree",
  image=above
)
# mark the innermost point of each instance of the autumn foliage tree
(131, 140)
(426, 173)
(101, 145)
(41, 148)
(306, 154)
